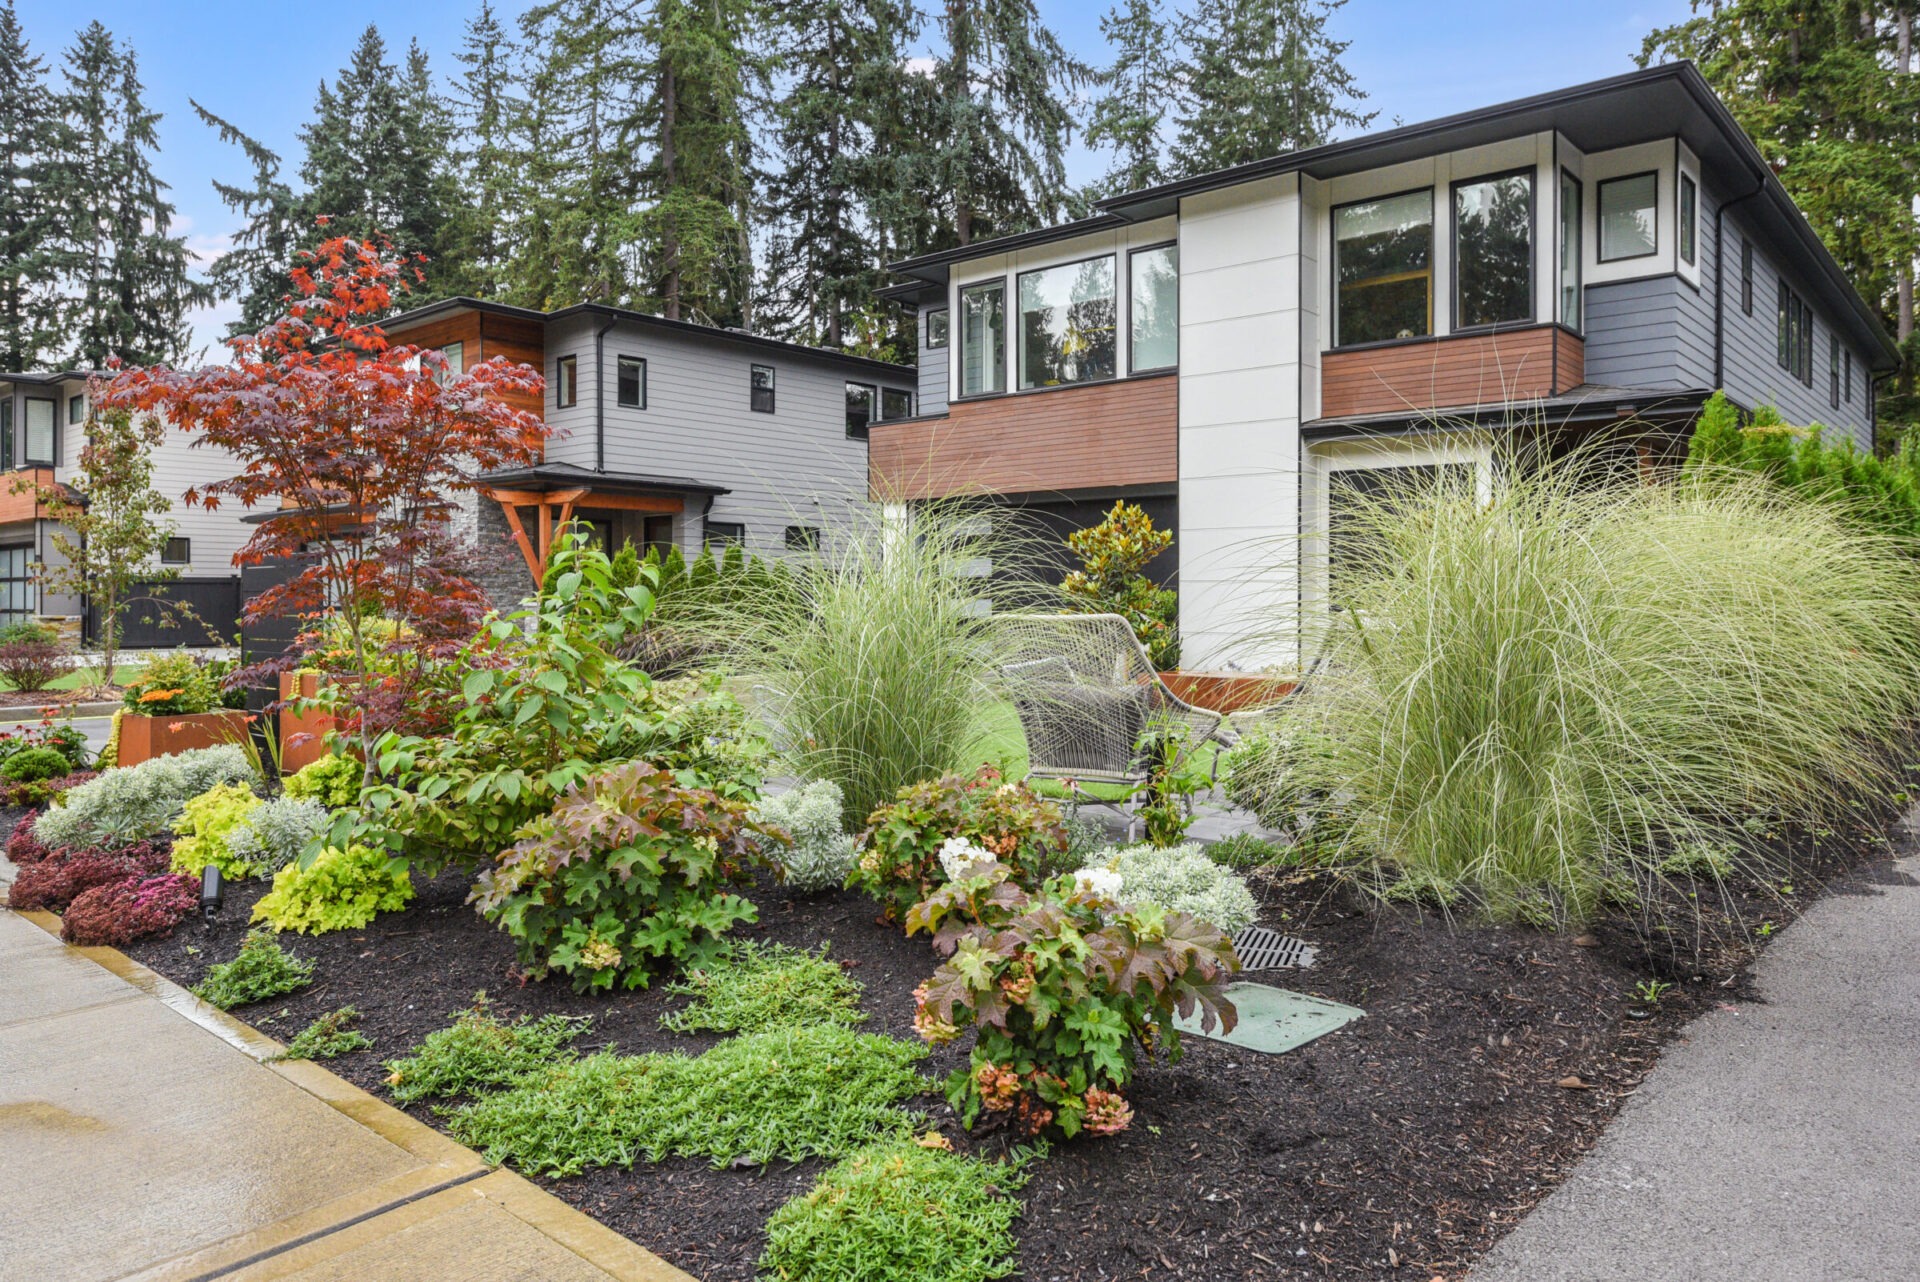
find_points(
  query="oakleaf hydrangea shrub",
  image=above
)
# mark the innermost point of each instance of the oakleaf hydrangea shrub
(54, 882)
(333, 781)
(904, 1212)
(1062, 987)
(630, 870)
(343, 888)
(900, 865)
(1181, 879)
(204, 826)
(818, 852)
(757, 987)
(261, 969)
(132, 802)
(480, 1051)
(129, 909)
(277, 832)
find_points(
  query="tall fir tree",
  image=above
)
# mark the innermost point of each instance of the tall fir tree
(1130, 115)
(253, 271)
(30, 145)
(841, 66)
(1005, 85)
(1262, 77)
(483, 105)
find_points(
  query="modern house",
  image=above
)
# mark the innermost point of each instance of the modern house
(1241, 350)
(666, 432)
(42, 416)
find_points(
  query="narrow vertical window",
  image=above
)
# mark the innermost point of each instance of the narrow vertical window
(1493, 250)
(1689, 217)
(456, 354)
(6, 432)
(76, 409)
(1848, 391)
(760, 398)
(1783, 329)
(1833, 370)
(566, 382)
(40, 418)
(631, 383)
(860, 409)
(1746, 277)
(983, 338)
(1570, 294)
(1153, 300)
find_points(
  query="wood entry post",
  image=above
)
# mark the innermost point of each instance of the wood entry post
(511, 501)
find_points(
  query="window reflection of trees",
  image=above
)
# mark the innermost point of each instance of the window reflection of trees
(1068, 339)
(1494, 246)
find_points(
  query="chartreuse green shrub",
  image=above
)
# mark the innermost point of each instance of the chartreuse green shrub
(328, 1037)
(752, 988)
(901, 864)
(815, 1091)
(332, 780)
(1061, 985)
(261, 969)
(630, 871)
(341, 888)
(897, 1211)
(480, 1051)
(131, 802)
(1529, 698)
(204, 826)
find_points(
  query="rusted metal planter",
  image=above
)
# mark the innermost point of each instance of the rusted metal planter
(142, 738)
(1226, 692)
(314, 724)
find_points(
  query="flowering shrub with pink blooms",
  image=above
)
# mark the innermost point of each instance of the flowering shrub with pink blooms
(132, 908)
(900, 861)
(1062, 987)
(55, 881)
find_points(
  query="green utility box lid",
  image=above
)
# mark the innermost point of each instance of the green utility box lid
(1273, 1020)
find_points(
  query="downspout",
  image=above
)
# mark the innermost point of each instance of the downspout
(600, 396)
(1720, 283)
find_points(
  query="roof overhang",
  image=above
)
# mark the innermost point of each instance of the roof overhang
(1584, 407)
(545, 477)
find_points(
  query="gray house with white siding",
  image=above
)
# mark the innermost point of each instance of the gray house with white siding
(665, 432)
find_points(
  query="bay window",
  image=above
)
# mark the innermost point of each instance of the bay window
(1153, 295)
(1493, 250)
(1627, 214)
(983, 338)
(1067, 316)
(1383, 269)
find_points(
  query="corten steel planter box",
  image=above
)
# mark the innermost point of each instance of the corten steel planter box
(1226, 691)
(142, 738)
(314, 723)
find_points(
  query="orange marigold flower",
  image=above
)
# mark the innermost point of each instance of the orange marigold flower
(155, 696)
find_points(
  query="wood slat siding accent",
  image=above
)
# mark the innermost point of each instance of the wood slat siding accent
(1462, 370)
(486, 336)
(1071, 438)
(25, 506)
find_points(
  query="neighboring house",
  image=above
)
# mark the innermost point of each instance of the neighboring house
(1242, 350)
(667, 433)
(42, 417)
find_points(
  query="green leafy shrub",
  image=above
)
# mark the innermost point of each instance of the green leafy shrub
(174, 685)
(131, 802)
(1060, 986)
(631, 869)
(897, 1211)
(204, 826)
(815, 1091)
(66, 739)
(900, 864)
(817, 853)
(332, 780)
(1114, 556)
(276, 833)
(328, 1037)
(753, 988)
(1180, 879)
(261, 969)
(28, 630)
(342, 888)
(34, 765)
(1244, 850)
(1706, 860)
(478, 1051)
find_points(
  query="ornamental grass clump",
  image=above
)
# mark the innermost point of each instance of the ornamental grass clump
(1180, 879)
(479, 1051)
(902, 862)
(1529, 696)
(810, 845)
(753, 988)
(816, 1091)
(1062, 987)
(261, 969)
(898, 1211)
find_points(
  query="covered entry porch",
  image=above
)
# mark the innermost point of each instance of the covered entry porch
(537, 502)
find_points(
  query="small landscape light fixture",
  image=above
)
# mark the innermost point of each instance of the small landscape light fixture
(212, 891)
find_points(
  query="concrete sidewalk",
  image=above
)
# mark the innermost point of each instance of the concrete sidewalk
(1778, 1142)
(143, 1135)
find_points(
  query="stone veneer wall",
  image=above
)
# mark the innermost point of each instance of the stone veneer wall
(498, 566)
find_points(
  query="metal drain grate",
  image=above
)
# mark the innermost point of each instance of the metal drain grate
(1262, 948)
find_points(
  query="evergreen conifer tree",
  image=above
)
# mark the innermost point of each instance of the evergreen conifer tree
(30, 144)
(1129, 116)
(483, 106)
(254, 268)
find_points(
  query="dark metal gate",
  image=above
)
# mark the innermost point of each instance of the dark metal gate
(165, 613)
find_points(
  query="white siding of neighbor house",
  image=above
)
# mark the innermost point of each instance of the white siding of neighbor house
(796, 466)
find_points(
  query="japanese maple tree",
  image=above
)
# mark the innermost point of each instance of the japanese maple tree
(358, 446)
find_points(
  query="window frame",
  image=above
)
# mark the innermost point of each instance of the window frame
(754, 370)
(449, 372)
(1847, 354)
(999, 380)
(186, 551)
(1686, 216)
(1579, 324)
(621, 361)
(801, 538)
(1333, 256)
(6, 432)
(885, 392)
(946, 338)
(1132, 367)
(1533, 251)
(566, 382)
(26, 582)
(1833, 370)
(1746, 276)
(873, 410)
(53, 432)
(1020, 329)
(710, 534)
(1600, 211)
(76, 409)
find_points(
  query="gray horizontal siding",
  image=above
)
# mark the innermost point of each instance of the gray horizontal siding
(933, 372)
(1633, 335)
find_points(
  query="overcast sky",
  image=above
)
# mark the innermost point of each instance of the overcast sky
(258, 64)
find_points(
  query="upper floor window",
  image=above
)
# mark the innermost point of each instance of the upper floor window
(1493, 250)
(1746, 277)
(1067, 316)
(1383, 269)
(456, 354)
(1570, 247)
(176, 551)
(1689, 217)
(1627, 217)
(983, 338)
(1153, 295)
(937, 329)
(860, 397)
(76, 409)
(1794, 339)
(566, 382)
(40, 415)
(1848, 393)
(760, 397)
(1833, 370)
(630, 383)
(895, 402)
(6, 432)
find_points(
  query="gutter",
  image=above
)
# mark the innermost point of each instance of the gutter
(600, 396)
(1720, 281)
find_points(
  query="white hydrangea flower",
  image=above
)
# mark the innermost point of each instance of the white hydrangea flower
(958, 856)
(1101, 883)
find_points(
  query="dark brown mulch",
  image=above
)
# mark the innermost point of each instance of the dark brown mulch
(53, 698)
(1401, 1146)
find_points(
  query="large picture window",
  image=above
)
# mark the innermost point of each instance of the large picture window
(1383, 269)
(1628, 222)
(40, 416)
(1153, 295)
(1493, 250)
(983, 338)
(1354, 495)
(1067, 316)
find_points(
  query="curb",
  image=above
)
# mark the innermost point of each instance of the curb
(18, 716)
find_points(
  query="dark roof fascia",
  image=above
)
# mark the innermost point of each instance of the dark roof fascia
(49, 379)
(904, 372)
(544, 476)
(1565, 411)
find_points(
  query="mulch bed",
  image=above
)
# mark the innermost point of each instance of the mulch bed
(1401, 1146)
(35, 699)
